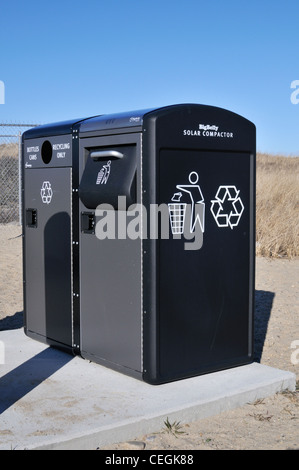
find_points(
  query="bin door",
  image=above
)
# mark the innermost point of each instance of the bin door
(47, 254)
(110, 267)
(205, 286)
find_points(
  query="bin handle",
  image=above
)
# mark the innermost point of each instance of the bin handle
(98, 154)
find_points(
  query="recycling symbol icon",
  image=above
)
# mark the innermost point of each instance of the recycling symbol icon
(227, 207)
(46, 192)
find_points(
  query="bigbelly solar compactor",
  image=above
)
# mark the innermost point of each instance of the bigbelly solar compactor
(139, 239)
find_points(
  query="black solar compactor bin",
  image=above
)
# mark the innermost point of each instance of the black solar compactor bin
(167, 242)
(161, 243)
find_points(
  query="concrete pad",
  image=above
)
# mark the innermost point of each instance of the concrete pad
(52, 400)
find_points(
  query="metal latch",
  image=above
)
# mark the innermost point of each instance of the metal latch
(31, 218)
(88, 222)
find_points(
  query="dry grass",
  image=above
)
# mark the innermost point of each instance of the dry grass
(277, 200)
(9, 150)
(9, 183)
(277, 206)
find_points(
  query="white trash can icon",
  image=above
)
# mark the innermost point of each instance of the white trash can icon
(177, 213)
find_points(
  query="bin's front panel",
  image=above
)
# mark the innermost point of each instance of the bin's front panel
(54, 151)
(47, 251)
(110, 261)
(204, 267)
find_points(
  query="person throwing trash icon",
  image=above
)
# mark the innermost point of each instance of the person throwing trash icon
(104, 173)
(177, 209)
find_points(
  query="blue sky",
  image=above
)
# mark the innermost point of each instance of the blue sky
(67, 59)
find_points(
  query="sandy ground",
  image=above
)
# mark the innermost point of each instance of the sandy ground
(268, 424)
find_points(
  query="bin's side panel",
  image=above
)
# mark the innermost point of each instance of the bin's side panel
(47, 255)
(199, 302)
(203, 283)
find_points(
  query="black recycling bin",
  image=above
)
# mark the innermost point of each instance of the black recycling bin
(161, 242)
(50, 172)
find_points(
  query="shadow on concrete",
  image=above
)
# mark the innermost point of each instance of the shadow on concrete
(12, 322)
(263, 306)
(24, 378)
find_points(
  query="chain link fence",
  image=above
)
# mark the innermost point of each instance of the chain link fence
(10, 171)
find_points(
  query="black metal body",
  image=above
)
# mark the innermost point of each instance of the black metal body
(157, 308)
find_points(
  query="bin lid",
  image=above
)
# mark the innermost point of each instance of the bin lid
(114, 121)
(47, 130)
(136, 118)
